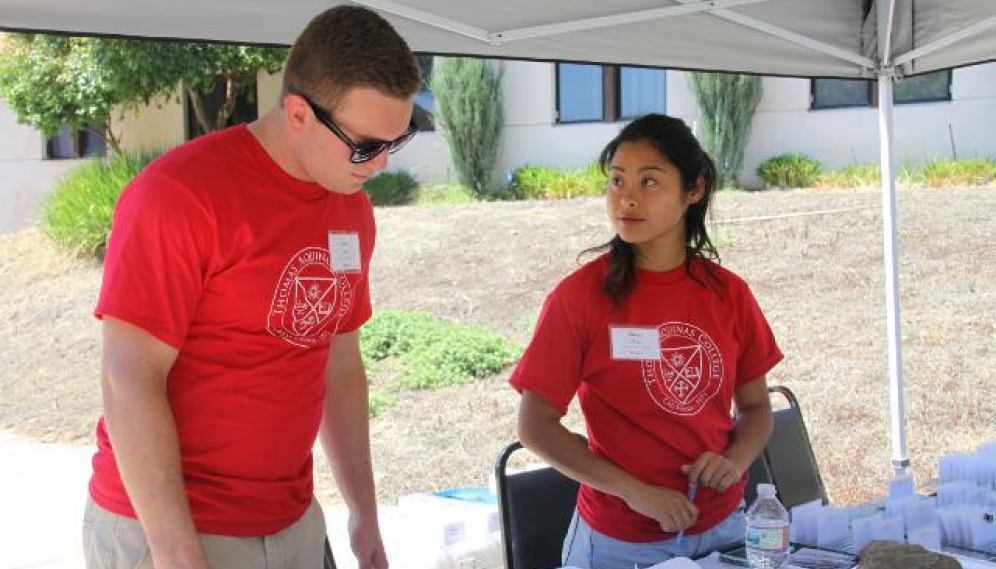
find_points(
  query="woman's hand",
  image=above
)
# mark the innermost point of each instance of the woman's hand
(714, 471)
(671, 509)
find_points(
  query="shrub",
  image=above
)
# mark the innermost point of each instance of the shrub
(970, 172)
(79, 212)
(445, 194)
(728, 102)
(392, 188)
(853, 176)
(452, 354)
(789, 171)
(540, 182)
(470, 116)
(379, 402)
(434, 353)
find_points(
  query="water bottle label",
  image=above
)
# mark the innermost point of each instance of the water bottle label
(775, 539)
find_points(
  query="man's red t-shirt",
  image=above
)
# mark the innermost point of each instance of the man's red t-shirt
(650, 416)
(218, 252)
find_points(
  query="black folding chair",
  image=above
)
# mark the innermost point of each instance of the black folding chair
(788, 461)
(536, 507)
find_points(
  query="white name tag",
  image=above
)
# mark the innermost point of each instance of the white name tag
(344, 252)
(634, 343)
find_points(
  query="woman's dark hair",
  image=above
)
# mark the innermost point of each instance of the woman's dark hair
(674, 141)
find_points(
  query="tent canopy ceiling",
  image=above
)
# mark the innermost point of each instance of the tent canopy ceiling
(803, 38)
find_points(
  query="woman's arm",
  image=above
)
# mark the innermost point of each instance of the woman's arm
(749, 437)
(540, 430)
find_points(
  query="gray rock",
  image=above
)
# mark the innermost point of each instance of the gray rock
(891, 555)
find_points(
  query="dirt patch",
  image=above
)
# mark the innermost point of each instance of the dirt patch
(814, 260)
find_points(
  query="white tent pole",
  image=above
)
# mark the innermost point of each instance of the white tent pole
(900, 461)
(426, 18)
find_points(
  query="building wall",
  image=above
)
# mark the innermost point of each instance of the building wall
(25, 178)
(783, 123)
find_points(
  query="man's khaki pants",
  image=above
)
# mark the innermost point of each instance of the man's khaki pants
(111, 541)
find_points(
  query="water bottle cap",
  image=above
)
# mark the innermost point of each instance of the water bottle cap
(765, 489)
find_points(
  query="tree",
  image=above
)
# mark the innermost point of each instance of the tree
(470, 114)
(727, 102)
(202, 69)
(56, 81)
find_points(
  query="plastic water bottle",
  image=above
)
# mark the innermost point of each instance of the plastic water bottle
(767, 537)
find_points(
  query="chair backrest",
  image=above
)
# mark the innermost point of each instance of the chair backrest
(789, 456)
(536, 507)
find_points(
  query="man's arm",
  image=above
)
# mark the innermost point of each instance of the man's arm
(345, 436)
(140, 423)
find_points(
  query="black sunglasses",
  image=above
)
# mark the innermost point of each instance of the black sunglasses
(362, 151)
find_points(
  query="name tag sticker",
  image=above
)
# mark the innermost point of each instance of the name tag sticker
(634, 343)
(344, 252)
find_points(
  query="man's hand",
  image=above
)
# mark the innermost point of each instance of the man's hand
(673, 510)
(367, 545)
(714, 471)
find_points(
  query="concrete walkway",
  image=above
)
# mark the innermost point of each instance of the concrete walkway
(43, 491)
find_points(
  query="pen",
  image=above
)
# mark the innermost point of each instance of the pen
(692, 487)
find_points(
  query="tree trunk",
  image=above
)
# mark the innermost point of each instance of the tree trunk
(112, 141)
(200, 112)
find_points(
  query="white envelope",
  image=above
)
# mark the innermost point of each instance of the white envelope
(901, 486)
(928, 536)
(920, 513)
(832, 526)
(803, 527)
(862, 530)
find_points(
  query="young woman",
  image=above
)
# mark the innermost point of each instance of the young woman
(658, 342)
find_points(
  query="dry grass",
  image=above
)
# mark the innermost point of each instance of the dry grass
(818, 277)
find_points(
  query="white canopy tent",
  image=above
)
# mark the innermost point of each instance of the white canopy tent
(872, 39)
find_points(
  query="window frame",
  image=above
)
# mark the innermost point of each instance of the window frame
(873, 94)
(79, 143)
(611, 93)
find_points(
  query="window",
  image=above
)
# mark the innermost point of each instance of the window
(597, 93)
(246, 109)
(425, 102)
(71, 143)
(934, 86)
(837, 93)
(641, 91)
(580, 93)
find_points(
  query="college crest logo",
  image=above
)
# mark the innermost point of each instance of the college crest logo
(689, 372)
(310, 300)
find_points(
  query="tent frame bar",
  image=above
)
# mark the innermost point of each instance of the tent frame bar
(937, 44)
(687, 7)
(714, 7)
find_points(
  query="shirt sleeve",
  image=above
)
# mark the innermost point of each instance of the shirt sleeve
(552, 363)
(158, 257)
(759, 351)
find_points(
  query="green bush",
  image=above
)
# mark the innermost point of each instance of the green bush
(970, 172)
(380, 402)
(540, 182)
(432, 352)
(392, 188)
(853, 176)
(932, 174)
(79, 212)
(445, 194)
(452, 354)
(789, 171)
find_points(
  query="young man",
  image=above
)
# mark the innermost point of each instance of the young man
(234, 286)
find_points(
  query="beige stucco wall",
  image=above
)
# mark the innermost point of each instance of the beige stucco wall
(158, 125)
